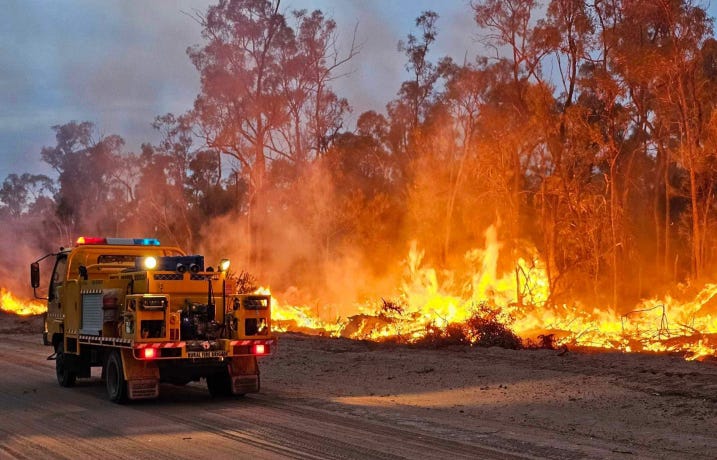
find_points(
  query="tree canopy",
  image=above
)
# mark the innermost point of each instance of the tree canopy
(587, 132)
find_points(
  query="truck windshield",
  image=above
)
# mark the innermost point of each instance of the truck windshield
(117, 259)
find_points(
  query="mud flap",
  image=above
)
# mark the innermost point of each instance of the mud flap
(143, 389)
(244, 373)
(243, 384)
(142, 376)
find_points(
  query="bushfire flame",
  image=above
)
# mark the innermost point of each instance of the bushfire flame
(11, 304)
(428, 301)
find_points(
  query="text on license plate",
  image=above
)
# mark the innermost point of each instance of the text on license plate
(206, 354)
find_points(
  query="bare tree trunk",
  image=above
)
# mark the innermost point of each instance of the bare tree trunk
(696, 226)
(258, 204)
(668, 211)
(613, 229)
(452, 201)
(689, 139)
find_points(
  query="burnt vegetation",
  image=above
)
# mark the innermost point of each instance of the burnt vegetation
(587, 130)
(484, 328)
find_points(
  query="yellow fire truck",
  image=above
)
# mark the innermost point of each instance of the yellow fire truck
(148, 314)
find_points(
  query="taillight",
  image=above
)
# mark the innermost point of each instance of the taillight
(256, 349)
(149, 353)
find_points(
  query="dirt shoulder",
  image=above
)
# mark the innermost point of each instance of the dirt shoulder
(542, 403)
(14, 324)
(594, 403)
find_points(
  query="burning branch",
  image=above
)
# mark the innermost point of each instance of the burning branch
(664, 327)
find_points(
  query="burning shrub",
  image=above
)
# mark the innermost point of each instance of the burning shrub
(453, 334)
(366, 327)
(486, 329)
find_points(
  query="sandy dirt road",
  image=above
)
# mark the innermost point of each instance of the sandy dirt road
(327, 398)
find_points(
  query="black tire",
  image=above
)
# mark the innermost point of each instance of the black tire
(219, 384)
(66, 376)
(114, 378)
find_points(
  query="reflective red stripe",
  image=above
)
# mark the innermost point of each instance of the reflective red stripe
(251, 342)
(140, 346)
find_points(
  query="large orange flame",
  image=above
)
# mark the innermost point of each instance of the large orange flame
(11, 304)
(427, 299)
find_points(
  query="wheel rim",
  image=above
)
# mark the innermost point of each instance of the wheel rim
(112, 377)
(60, 365)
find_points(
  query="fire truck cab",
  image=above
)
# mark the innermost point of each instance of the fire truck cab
(149, 314)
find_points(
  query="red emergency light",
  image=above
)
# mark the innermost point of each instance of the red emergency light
(90, 240)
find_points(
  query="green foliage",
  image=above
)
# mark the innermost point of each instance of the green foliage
(19, 194)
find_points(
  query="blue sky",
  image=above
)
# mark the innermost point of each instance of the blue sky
(119, 63)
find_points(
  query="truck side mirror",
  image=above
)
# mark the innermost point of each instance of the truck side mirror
(35, 275)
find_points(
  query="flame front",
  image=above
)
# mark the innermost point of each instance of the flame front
(428, 300)
(11, 304)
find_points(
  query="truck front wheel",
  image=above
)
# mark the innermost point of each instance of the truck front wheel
(114, 378)
(63, 367)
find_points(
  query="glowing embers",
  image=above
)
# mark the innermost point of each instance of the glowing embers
(11, 304)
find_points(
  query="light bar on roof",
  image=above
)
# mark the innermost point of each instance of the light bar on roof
(147, 241)
(90, 240)
(85, 240)
(134, 241)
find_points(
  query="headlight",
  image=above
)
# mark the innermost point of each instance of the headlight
(224, 265)
(150, 263)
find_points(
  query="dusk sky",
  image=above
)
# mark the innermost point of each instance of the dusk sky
(119, 64)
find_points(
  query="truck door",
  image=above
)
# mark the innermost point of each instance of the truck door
(59, 275)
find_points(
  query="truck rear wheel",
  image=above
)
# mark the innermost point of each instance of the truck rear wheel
(63, 367)
(219, 384)
(114, 378)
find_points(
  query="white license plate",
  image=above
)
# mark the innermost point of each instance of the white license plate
(206, 354)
